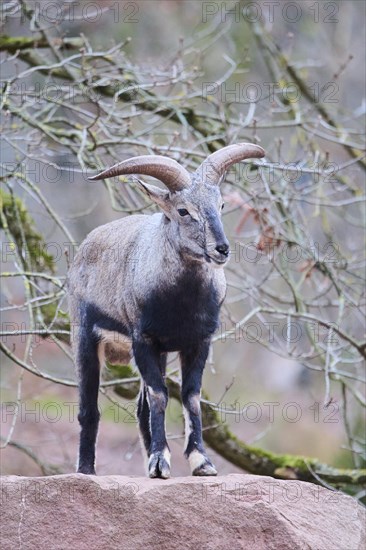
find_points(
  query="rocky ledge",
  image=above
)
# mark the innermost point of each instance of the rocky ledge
(238, 511)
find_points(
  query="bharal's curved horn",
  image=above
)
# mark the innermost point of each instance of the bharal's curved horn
(216, 164)
(169, 171)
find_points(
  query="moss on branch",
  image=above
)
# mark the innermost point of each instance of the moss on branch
(21, 225)
(12, 44)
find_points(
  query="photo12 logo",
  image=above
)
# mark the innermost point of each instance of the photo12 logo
(252, 12)
(278, 95)
(55, 12)
(75, 93)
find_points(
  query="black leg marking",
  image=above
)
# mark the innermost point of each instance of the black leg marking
(162, 363)
(143, 415)
(151, 365)
(89, 372)
(143, 409)
(193, 363)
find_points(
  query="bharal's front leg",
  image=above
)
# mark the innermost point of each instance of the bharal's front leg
(155, 396)
(193, 362)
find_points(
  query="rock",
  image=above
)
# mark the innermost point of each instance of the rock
(237, 511)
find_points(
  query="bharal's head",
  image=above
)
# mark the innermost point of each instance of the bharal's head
(193, 203)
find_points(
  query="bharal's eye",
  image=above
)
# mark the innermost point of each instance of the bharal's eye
(183, 212)
(222, 206)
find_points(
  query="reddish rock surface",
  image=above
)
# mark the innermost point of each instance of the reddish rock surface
(237, 511)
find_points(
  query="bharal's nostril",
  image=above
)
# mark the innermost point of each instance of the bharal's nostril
(223, 249)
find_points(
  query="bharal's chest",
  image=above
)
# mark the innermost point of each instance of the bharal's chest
(182, 314)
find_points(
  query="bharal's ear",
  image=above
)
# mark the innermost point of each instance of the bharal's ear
(157, 195)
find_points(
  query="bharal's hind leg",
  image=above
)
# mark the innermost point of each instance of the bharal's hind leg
(193, 362)
(88, 367)
(151, 407)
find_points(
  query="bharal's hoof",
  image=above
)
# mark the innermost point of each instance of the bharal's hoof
(159, 465)
(201, 465)
(206, 469)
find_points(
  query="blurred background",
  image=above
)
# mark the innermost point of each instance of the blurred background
(91, 83)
